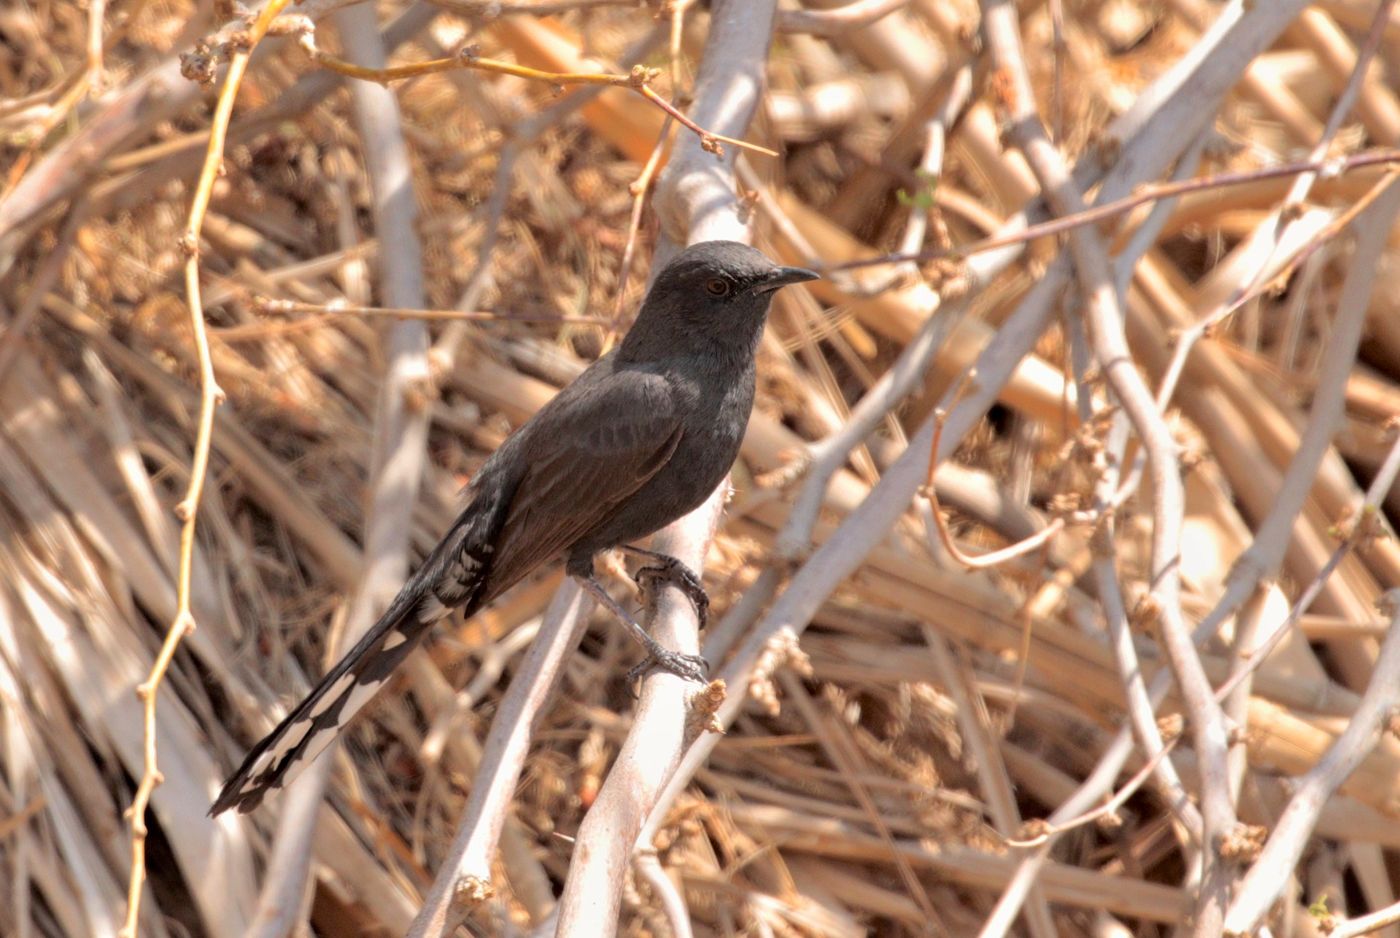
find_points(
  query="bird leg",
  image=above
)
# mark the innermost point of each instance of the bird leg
(667, 569)
(691, 667)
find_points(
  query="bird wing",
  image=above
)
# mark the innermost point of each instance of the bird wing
(586, 458)
(585, 452)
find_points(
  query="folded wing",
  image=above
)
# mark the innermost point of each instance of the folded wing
(586, 452)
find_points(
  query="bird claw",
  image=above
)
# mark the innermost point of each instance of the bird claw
(688, 667)
(670, 570)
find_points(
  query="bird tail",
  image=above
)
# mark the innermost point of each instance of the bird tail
(453, 575)
(317, 720)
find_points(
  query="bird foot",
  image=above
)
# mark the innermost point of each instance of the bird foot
(667, 569)
(690, 667)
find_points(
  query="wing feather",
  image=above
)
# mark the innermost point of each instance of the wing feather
(585, 462)
(563, 474)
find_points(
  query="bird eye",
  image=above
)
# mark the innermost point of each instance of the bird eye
(717, 286)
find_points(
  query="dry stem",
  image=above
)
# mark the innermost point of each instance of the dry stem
(638, 80)
(1155, 192)
(188, 509)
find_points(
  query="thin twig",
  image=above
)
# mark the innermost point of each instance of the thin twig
(945, 537)
(1046, 831)
(1150, 193)
(1367, 515)
(210, 395)
(638, 79)
(677, 916)
(328, 312)
(1366, 924)
(640, 188)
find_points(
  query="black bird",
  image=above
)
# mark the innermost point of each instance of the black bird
(641, 438)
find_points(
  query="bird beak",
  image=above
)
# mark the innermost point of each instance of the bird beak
(784, 276)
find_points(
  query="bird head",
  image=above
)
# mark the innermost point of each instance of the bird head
(716, 289)
(725, 277)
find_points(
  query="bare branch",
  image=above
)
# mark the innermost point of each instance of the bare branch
(401, 432)
(1376, 712)
(695, 199)
(836, 22)
(464, 878)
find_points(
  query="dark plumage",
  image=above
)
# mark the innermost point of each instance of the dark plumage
(639, 439)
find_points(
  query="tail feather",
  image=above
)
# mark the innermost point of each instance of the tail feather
(317, 720)
(452, 576)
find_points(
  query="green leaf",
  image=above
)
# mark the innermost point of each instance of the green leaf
(923, 198)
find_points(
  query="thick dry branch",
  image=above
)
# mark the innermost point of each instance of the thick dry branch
(836, 22)
(696, 197)
(669, 716)
(400, 436)
(1105, 324)
(1376, 713)
(464, 879)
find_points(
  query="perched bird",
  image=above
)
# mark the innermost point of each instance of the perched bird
(639, 439)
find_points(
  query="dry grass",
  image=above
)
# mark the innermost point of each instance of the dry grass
(933, 712)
